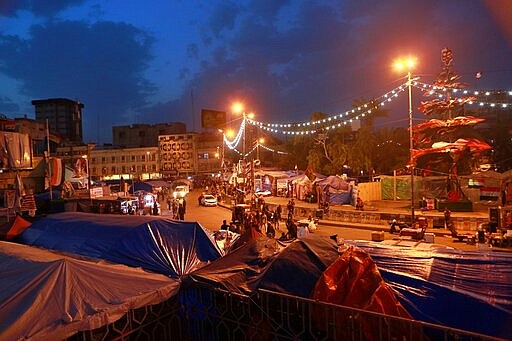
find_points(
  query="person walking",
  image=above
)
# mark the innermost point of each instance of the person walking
(182, 208)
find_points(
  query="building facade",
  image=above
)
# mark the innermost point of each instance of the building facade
(64, 117)
(112, 163)
(144, 135)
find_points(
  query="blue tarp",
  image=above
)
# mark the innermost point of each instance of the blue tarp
(461, 289)
(335, 190)
(158, 244)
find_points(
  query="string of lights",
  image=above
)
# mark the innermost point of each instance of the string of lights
(339, 119)
(441, 93)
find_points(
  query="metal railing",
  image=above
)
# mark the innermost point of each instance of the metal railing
(211, 314)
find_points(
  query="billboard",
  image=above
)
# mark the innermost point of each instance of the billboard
(213, 119)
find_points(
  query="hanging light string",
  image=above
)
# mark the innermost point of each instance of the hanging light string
(441, 93)
(333, 121)
(271, 150)
(233, 143)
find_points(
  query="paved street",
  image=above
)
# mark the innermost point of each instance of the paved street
(211, 218)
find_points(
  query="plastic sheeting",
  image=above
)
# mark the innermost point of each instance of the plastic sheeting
(335, 190)
(291, 268)
(49, 296)
(170, 247)
(461, 289)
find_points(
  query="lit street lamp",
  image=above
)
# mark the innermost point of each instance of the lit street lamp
(239, 108)
(87, 171)
(400, 65)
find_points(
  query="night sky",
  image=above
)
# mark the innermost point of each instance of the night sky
(158, 61)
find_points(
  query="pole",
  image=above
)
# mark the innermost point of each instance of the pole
(411, 145)
(48, 160)
(243, 146)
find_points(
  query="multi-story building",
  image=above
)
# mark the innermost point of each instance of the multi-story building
(145, 135)
(64, 117)
(112, 163)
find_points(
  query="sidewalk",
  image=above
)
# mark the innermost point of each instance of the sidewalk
(377, 215)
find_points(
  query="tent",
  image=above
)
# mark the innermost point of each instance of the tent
(50, 296)
(460, 289)
(155, 243)
(264, 263)
(334, 190)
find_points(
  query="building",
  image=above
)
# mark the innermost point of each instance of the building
(177, 154)
(112, 163)
(144, 135)
(64, 117)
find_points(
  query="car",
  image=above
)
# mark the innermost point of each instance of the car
(180, 191)
(209, 200)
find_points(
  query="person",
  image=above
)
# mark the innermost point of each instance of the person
(182, 207)
(278, 212)
(292, 229)
(447, 215)
(155, 208)
(311, 225)
(271, 232)
(303, 230)
(169, 203)
(359, 204)
(224, 225)
(393, 227)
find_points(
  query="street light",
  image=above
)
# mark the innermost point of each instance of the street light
(401, 65)
(238, 108)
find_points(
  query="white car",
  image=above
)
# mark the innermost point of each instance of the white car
(209, 200)
(180, 191)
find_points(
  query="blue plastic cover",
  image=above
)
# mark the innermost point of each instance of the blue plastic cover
(461, 289)
(155, 243)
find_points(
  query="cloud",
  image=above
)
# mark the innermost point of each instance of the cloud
(7, 105)
(38, 8)
(101, 64)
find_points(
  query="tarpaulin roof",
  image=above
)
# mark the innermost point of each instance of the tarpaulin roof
(264, 263)
(49, 296)
(334, 182)
(155, 243)
(461, 289)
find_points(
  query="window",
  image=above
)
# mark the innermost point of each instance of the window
(133, 157)
(113, 159)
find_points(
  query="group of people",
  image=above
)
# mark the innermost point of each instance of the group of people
(177, 207)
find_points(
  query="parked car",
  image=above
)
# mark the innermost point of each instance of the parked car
(209, 200)
(180, 191)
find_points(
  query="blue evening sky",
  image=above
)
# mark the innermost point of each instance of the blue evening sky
(161, 61)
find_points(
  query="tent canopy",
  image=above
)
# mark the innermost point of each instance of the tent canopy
(49, 296)
(158, 244)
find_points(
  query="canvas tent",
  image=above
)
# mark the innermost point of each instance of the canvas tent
(334, 190)
(50, 296)
(158, 244)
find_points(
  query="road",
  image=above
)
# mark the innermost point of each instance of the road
(211, 218)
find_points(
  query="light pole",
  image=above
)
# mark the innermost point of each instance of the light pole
(408, 64)
(239, 108)
(261, 140)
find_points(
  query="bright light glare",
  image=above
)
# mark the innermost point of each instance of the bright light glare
(250, 115)
(261, 140)
(405, 63)
(230, 133)
(237, 107)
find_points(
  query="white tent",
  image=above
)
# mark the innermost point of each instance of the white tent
(50, 296)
